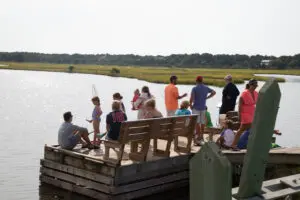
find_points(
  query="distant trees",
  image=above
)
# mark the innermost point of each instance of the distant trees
(174, 60)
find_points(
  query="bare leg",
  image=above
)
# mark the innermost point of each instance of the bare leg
(96, 126)
(85, 137)
(202, 126)
(237, 136)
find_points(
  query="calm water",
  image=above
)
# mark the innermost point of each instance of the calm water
(31, 107)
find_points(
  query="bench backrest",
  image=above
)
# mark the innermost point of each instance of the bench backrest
(156, 128)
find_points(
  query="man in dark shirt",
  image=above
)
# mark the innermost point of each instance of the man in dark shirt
(114, 120)
(230, 94)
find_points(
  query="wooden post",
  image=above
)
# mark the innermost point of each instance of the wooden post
(210, 174)
(259, 140)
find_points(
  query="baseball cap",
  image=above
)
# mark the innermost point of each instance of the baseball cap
(199, 78)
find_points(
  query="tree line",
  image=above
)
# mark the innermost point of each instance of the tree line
(174, 60)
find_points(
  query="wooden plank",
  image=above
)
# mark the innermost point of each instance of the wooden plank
(78, 172)
(90, 166)
(174, 177)
(147, 170)
(140, 129)
(152, 190)
(76, 180)
(74, 188)
(80, 162)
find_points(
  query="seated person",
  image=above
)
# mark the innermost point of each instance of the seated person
(243, 141)
(226, 137)
(183, 109)
(151, 111)
(70, 135)
(114, 120)
(208, 119)
(118, 97)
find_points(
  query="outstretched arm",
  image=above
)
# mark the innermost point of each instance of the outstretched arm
(211, 94)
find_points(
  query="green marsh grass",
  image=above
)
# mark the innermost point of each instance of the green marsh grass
(156, 74)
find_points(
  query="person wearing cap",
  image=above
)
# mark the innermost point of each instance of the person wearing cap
(229, 95)
(200, 93)
(69, 135)
(172, 96)
(118, 97)
(247, 105)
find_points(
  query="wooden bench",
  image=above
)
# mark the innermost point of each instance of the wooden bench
(139, 134)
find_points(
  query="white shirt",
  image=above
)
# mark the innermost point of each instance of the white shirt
(228, 137)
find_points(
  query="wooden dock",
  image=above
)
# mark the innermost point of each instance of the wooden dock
(86, 172)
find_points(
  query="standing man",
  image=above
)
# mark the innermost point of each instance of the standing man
(198, 105)
(172, 96)
(230, 94)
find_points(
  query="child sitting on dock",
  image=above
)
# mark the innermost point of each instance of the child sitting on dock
(183, 109)
(226, 137)
(96, 118)
(69, 135)
(114, 120)
(135, 98)
(151, 111)
(118, 97)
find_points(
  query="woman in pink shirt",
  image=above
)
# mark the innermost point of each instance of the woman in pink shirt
(247, 104)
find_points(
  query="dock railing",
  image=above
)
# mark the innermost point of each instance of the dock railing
(210, 170)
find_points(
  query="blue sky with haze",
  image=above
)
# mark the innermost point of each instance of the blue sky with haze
(269, 27)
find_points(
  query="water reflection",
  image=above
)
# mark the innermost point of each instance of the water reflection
(31, 107)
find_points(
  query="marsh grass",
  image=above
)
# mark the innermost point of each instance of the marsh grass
(156, 74)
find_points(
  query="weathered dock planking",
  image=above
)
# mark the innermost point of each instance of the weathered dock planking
(85, 171)
(127, 171)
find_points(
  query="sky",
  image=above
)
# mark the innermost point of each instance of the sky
(151, 27)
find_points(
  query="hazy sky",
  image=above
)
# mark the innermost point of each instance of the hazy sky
(152, 27)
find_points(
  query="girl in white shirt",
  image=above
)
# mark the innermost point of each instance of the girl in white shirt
(227, 136)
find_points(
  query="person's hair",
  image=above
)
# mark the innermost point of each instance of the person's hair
(116, 105)
(145, 89)
(229, 124)
(150, 103)
(136, 91)
(96, 98)
(117, 96)
(205, 107)
(172, 78)
(67, 116)
(184, 105)
(252, 82)
(247, 86)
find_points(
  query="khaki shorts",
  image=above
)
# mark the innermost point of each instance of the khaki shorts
(171, 113)
(201, 115)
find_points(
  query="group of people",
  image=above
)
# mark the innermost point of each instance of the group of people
(144, 103)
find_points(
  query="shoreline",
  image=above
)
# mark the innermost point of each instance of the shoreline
(160, 75)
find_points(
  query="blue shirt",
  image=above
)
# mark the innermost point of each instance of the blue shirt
(243, 141)
(180, 112)
(200, 93)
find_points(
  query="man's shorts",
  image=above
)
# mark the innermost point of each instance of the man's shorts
(201, 115)
(171, 113)
(73, 141)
